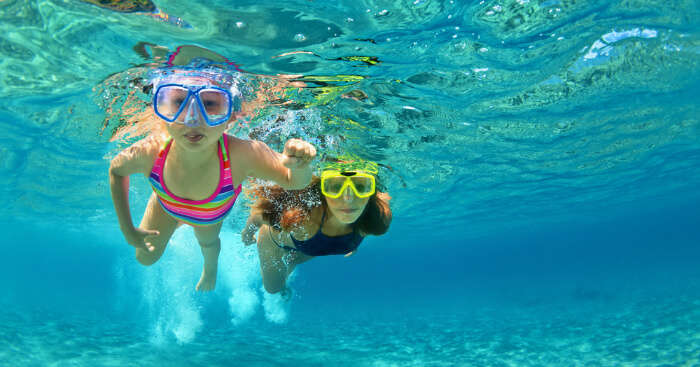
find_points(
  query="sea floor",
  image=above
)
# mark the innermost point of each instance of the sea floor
(649, 331)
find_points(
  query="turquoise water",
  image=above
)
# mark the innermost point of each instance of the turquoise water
(544, 169)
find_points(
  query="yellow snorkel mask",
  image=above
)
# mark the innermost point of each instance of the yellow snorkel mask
(355, 173)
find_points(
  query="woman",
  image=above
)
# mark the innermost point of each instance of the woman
(329, 217)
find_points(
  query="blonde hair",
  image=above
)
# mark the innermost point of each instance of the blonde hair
(137, 118)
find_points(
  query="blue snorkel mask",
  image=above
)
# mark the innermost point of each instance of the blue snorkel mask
(213, 100)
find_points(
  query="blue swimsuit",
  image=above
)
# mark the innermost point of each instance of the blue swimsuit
(322, 245)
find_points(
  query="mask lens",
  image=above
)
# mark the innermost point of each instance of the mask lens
(170, 99)
(363, 185)
(333, 185)
(216, 103)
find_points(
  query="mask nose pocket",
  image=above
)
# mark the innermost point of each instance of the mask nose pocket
(193, 116)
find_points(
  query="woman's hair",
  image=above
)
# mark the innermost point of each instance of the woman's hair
(287, 209)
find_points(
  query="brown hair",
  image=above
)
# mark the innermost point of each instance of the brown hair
(287, 209)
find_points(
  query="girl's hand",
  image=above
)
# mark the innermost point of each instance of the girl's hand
(298, 154)
(142, 238)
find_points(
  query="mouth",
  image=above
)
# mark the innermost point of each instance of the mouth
(348, 211)
(194, 137)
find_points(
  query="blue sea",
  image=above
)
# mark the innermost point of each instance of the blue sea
(543, 157)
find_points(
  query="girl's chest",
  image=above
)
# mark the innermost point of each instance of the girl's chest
(193, 184)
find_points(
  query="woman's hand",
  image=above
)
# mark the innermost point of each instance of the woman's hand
(141, 238)
(298, 154)
(255, 221)
(248, 234)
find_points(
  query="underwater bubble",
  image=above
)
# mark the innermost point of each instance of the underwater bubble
(299, 37)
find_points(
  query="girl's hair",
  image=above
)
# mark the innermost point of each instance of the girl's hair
(137, 119)
(287, 209)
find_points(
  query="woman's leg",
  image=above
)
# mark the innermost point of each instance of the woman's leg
(210, 244)
(276, 263)
(155, 218)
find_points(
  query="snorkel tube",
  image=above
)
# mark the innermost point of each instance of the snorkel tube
(350, 163)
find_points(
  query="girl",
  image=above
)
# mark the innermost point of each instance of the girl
(329, 217)
(196, 170)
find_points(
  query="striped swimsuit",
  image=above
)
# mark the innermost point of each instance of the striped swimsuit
(209, 211)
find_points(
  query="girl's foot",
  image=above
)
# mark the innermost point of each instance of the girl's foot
(207, 282)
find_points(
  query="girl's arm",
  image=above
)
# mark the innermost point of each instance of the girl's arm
(138, 158)
(291, 169)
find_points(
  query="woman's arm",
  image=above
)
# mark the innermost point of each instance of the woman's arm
(302, 232)
(252, 225)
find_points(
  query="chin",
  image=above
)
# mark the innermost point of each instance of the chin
(204, 141)
(349, 219)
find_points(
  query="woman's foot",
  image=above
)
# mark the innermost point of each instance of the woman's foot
(286, 294)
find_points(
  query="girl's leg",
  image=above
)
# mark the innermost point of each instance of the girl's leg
(155, 218)
(210, 244)
(276, 263)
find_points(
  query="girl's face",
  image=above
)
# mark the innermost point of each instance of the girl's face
(197, 134)
(347, 208)
(197, 137)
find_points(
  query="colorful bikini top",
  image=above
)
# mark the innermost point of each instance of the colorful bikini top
(209, 211)
(322, 245)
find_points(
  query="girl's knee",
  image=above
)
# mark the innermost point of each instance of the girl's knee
(146, 258)
(211, 243)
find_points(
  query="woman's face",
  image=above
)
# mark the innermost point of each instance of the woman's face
(347, 208)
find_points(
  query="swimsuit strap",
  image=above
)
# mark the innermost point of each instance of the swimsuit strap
(323, 217)
(269, 232)
(162, 153)
(166, 143)
(224, 148)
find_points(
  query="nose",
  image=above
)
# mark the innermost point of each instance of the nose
(348, 195)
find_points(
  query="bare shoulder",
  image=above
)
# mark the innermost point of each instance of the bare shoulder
(137, 158)
(150, 145)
